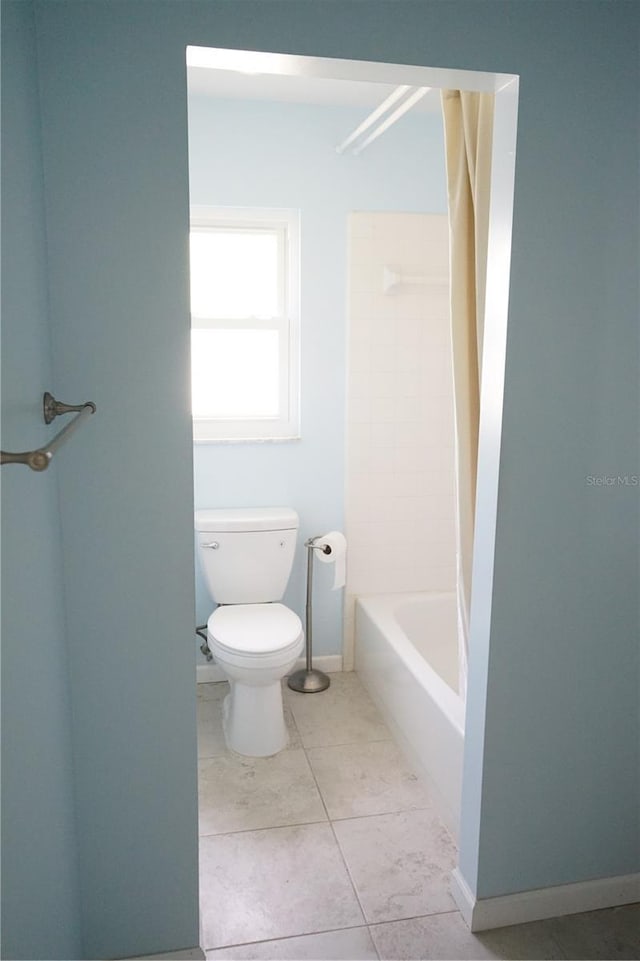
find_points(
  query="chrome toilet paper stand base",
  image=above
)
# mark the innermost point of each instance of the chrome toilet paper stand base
(308, 680)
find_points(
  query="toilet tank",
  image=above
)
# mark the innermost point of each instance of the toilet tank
(246, 554)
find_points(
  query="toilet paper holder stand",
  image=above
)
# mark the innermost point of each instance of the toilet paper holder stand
(309, 680)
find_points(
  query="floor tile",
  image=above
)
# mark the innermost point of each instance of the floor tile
(212, 691)
(274, 885)
(444, 937)
(211, 741)
(353, 943)
(244, 794)
(400, 864)
(259, 885)
(366, 778)
(613, 933)
(342, 714)
(534, 941)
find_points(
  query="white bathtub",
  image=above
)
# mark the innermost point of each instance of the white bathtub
(406, 656)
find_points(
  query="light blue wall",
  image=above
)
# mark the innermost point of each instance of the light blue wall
(559, 792)
(40, 909)
(118, 285)
(283, 155)
(557, 783)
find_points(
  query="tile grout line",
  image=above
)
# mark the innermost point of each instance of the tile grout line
(373, 740)
(560, 946)
(365, 923)
(289, 937)
(340, 851)
(271, 827)
(369, 924)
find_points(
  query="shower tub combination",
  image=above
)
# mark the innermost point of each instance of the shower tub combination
(407, 658)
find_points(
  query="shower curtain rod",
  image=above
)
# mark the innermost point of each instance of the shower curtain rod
(407, 101)
(374, 116)
(392, 278)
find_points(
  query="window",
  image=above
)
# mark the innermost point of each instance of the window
(244, 323)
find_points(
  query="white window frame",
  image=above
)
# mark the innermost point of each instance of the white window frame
(285, 223)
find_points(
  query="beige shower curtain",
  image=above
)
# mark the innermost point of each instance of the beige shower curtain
(468, 122)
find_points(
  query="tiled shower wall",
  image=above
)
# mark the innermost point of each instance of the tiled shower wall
(400, 520)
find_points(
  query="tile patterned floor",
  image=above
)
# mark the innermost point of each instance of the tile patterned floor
(332, 850)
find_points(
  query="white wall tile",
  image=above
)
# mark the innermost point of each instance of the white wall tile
(400, 493)
(384, 435)
(359, 410)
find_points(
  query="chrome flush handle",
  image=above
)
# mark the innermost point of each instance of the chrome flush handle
(213, 545)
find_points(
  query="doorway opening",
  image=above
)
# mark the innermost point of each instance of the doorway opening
(274, 134)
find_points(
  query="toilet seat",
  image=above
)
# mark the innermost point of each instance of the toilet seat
(254, 630)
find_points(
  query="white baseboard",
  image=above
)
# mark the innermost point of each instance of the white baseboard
(187, 954)
(329, 663)
(554, 902)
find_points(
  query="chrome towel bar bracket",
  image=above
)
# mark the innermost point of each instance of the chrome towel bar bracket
(52, 408)
(40, 458)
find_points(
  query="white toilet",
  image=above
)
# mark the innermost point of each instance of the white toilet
(246, 557)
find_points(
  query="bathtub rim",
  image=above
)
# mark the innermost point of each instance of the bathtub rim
(380, 608)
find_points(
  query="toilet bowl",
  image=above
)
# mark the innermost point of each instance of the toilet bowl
(246, 557)
(255, 645)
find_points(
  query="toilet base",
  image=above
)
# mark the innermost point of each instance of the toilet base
(253, 719)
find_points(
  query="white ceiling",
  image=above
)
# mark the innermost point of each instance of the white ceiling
(235, 85)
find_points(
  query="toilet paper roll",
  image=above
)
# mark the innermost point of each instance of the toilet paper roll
(337, 554)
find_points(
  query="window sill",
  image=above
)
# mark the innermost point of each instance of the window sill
(200, 441)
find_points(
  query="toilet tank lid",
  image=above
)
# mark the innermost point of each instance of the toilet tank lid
(246, 519)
